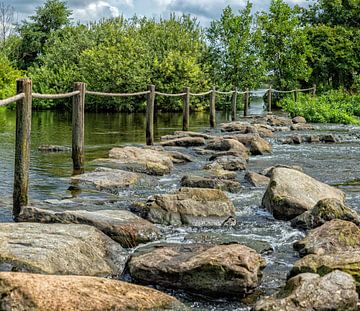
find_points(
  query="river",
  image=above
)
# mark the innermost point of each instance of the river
(336, 164)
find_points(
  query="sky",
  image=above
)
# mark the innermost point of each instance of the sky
(90, 10)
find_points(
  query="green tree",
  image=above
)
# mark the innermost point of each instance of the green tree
(286, 45)
(8, 76)
(52, 16)
(234, 50)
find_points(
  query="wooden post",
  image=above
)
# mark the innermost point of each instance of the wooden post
(233, 103)
(22, 146)
(186, 109)
(212, 108)
(246, 102)
(150, 116)
(269, 99)
(314, 90)
(296, 95)
(78, 110)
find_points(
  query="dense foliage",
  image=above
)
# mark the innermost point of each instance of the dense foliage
(287, 47)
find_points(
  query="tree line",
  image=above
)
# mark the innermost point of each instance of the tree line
(287, 47)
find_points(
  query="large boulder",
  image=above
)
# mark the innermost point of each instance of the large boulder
(193, 181)
(291, 193)
(149, 161)
(120, 225)
(325, 210)
(59, 249)
(274, 120)
(229, 145)
(236, 126)
(203, 268)
(184, 142)
(256, 144)
(332, 237)
(190, 206)
(298, 119)
(30, 292)
(308, 291)
(228, 163)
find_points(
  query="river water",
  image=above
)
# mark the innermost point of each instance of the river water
(336, 164)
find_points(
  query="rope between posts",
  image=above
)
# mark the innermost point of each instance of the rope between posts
(201, 94)
(225, 93)
(12, 99)
(170, 95)
(117, 94)
(241, 92)
(55, 96)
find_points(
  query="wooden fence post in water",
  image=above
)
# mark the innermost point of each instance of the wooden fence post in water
(212, 108)
(22, 146)
(186, 109)
(233, 104)
(150, 115)
(246, 102)
(314, 90)
(269, 99)
(78, 109)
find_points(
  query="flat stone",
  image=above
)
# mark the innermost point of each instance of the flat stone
(190, 206)
(202, 268)
(301, 127)
(25, 291)
(59, 249)
(193, 181)
(291, 193)
(120, 225)
(256, 180)
(308, 291)
(256, 144)
(232, 145)
(184, 142)
(229, 163)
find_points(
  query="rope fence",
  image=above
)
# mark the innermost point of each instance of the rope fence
(117, 94)
(170, 95)
(12, 99)
(55, 96)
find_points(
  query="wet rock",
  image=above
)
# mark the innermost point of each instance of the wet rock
(325, 210)
(120, 225)
(256, 180)
(229, 163)
(298, 119)
(221, 144)
(291, 193)
(297, 140)
(254, 143)
(193, 181)
(332, 237)
(301, 127)
(193, 134)
(148, 161)
(260, 246)
(25, 291)
(242, 127)
(178, 157)
(53, 148)
(328, 138)
(308, 291)
(268, 171)
(220, 173)
(264, 130)
(278, 121)
(347, 261)
(109, 179)
(203, 268)
(59, 249)
(202, 151)
(184, 142)
(190, 206)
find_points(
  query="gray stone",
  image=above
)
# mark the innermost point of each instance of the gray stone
(193, 181)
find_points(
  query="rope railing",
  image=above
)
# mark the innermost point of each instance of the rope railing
(225, 93)
(201, 94)
(117, 94)
(12, 99)
(170, 95)
(292, 91)
(55, 96)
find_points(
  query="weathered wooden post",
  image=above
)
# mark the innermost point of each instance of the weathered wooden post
(150, 115)
(296, 95)
(186, 109)
(246, 102)
(269, 98)
(22, 146)
(314, 89)
(78, 111)
(233, 104)
(212, 108)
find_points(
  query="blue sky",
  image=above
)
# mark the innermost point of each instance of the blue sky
(89, 10)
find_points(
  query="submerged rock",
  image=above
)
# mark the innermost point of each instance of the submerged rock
(53, 148)
(120, 225)
(325, 210)
(59, 249)
(202, 268)
(256, 180)
(291, 193)
(308, 291)
(25, 291)
(193, 181)
(184, 142)
(332, 237)
(190, 206)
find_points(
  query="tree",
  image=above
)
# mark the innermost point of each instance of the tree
(234, 50)
(7, 19)
(52, 16)
(8, 76)
(286, 46)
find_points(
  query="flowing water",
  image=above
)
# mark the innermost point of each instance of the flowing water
(336, 164)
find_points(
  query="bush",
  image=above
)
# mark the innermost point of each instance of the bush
(330, 107)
